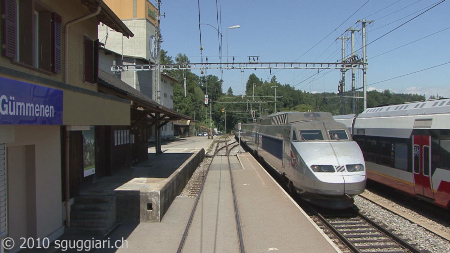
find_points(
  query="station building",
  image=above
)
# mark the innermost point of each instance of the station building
(52, 112)
(141, 18)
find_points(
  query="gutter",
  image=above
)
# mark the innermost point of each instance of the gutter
(66, 81)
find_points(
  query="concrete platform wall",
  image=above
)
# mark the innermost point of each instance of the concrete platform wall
(178, 180)
(150, 203)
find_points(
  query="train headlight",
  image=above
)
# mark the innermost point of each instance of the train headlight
(355, 167)
(322, 168)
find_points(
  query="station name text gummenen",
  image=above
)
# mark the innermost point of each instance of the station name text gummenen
(17, 108)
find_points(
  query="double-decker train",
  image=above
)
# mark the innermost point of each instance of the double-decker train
(407, 147)
(314, 153)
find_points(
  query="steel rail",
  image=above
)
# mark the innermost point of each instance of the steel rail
(338, 234)
(390, 234)
(385, 232)
(236, 209)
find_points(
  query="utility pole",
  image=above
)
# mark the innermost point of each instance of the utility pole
(225, 121)
(157, 78)
(364, 22)
(341, 88)
(275, 97)
(253, 91)
(353, 30)
(253, 97)
(210, 122)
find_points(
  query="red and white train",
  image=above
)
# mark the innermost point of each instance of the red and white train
(407, 147)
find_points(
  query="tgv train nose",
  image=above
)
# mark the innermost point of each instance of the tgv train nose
(340, 185)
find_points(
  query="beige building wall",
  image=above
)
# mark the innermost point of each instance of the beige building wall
(69, 10)
(82, 109)
(34, 182)
(132, 9)
(137, 46)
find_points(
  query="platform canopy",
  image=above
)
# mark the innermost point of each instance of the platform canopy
(145, 110)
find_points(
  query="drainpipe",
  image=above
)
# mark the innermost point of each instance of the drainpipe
(66, 41)
(66, 81)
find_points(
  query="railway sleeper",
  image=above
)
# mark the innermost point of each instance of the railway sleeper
(359, 235)
(359, 231)
(391, 246)
(346, 226)
(370, 240)
(347, 222)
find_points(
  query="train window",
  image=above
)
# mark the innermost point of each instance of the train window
(311, 135)
(401, 156)
(338, 134)
(442, 103)
(406, 107)
(416, 106)
(422, 105)
(448, 103)
(445, 153)
(426, 160)
(294, 135)
(388, 108)
(435, 103)
(416, 159)
(396, 107)
(386, 153)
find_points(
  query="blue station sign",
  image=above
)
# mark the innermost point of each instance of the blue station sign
(24, 103)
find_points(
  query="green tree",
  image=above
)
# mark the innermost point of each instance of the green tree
(252, 79)
(229, 92)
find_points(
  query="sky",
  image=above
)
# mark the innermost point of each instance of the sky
(408, 44)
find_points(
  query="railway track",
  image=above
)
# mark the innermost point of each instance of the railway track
(359, 233)
(223, 148)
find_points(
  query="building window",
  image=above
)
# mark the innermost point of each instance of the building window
(91, 48)
(122, 137)
(165, 95)
(32, 34)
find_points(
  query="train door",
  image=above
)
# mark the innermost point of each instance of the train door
(422, 165)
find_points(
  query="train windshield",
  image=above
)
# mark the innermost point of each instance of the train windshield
(311, 135)
(338, 134)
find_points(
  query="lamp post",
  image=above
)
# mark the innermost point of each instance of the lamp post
(275, 97)
(231, 27)
(225, 121)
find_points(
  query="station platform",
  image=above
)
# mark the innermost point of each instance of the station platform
(270, 219)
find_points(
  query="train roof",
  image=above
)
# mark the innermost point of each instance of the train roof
(416, 108)
(399, 120)
(283, 118)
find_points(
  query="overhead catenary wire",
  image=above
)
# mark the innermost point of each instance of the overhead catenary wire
(324, 39)
(387, 15)
(329, 34)
(409, 43)
(332, 31)
(397, 27)
(411, 73)
(367, 17)
(399, 19)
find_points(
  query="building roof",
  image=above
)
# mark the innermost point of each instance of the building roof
(124, 90)
(107, 16)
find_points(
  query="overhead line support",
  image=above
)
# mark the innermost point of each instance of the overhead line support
(243, 65)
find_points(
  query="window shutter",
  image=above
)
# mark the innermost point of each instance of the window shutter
(95, 63)
(3, 191)
(9, 28)
(56, 43)
(88, 60)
